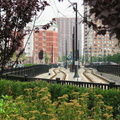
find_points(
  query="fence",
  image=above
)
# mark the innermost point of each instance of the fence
(30, 71)
(66, 82)
(27, 73)
(111, 69)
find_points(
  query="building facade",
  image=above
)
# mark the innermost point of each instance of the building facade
(46, 40)
(65, 32)
(97, 45)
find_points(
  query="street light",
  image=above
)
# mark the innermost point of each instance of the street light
(76, 59)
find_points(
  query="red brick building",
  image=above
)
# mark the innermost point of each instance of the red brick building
(46, 40)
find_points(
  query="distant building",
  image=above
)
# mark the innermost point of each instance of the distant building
(98, 46)
(65, 31)
(28, 44)
(46, 40)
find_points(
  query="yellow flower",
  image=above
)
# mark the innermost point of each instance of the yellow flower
(44, 98)
(82, 99)
(43, 89)
(108, 107)
(36, 88)
(80, 112)
(64, 96)
(44, 113)
(101, 102)
(32, 118)
(106, 115)
(6, 105)
(49, 109)
(38, 94)
(28, 89)
(50, 114)
(74, 101)
(98, 96)
(14, 115)
(18, 103)
(69, 104)
(19, 97)
(25, 113)
(35, 111)
(21, 118)
(9, 102)
(77, 105)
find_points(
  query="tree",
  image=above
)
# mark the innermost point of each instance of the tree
(108, 11)
(14, 16)
(47, 57)
(21, 59)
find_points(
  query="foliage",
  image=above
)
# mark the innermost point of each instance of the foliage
(36, 104)
(17, 88)
(107, 58)
(14, 16)
(47, 57)
(29, 64)
(47, 101)
(108, 11)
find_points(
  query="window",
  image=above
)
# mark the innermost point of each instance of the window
(44, 43)
(36, 38)
(44, 49)
(44, 38)
(44, 33)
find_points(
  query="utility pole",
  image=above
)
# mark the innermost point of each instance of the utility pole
(73, 58)
(52, 55)
(76, 59)
(66, 54)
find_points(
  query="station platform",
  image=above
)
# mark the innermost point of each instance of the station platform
(70, 75)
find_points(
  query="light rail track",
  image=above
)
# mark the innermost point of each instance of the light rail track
(94, 78)
(58, 73)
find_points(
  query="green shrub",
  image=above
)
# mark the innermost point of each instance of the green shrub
(17, 88)
(92, 97)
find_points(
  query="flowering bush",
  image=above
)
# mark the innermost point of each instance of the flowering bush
(36, 104)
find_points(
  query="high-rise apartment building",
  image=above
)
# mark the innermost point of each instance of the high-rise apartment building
(98, 46)
(65, 31)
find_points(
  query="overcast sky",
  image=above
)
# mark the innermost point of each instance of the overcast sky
(59, 9)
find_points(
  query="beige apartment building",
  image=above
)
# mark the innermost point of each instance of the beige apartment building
(97, 45)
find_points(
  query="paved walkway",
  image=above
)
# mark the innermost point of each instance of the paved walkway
(70, 75)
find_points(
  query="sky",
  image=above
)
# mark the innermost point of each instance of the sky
(59, 9)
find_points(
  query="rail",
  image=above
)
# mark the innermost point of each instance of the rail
(96, 78)
(56, 73)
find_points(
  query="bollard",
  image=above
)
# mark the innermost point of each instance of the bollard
(25, 77)
(112, 83)
(57, 80)
(6, 75)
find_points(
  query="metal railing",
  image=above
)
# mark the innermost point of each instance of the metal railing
(65, 82)
(110, 69)
(30, 71)
(26, 74)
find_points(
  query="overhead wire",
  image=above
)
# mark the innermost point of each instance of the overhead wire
(52, 7)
